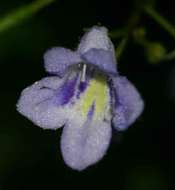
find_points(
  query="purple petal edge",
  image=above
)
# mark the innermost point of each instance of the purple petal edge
(128, 103)
(102, 59)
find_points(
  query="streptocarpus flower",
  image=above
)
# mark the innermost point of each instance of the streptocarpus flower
(86, 95)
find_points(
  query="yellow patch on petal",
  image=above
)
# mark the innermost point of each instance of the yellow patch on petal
(97, 92)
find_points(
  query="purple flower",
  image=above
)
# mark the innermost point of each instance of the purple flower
(86, 95)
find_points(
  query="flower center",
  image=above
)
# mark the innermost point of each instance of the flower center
(97, 92)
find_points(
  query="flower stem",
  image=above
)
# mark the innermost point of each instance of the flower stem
(160, 20)
(117, 33)
(121, 47)
(170, 56)
(132, 23)
(22, 13)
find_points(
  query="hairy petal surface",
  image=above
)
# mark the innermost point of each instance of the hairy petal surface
(97, 38)
(103, 59)
(46, 103)
(84, 143)
(58, 60)
(87, 135)
(128, 103)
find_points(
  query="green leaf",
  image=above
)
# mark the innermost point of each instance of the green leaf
(170, 28)
(22, 13)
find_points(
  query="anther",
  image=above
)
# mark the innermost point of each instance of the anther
(83, 74)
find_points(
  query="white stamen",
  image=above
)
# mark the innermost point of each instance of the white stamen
(83, 74)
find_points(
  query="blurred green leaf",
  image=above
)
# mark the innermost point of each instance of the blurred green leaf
(117, 33)
(142, 3)
(139, 33)
(170, 28)
(155, 52)
(145, 177)
(169, 56)
(22, 13)
(121, 47)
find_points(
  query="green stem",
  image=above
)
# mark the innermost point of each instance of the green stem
(117, 33)
(170, 56)
(160, 20)
(133, 21)
(22, 13)
(121, 48)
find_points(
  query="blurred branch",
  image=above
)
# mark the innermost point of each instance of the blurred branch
(121, 47)
(127, 32)
(117, 33)
(170, 56)
(160, 20)
(22, 13)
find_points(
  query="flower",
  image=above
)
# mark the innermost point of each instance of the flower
(86, 95)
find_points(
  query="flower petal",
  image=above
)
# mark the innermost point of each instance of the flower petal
(128, 103)
(97, 38)
(87, 134)
(102, 59)
(97, 49)
(57, 60)
(84, 143)
(47, 102)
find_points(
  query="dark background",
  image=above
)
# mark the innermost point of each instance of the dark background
(142, 158)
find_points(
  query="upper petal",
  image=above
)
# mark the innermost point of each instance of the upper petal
(103, 59)
(128, 103)
(96, 37)
(57, 60)
(47, 102)
(97, 49)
